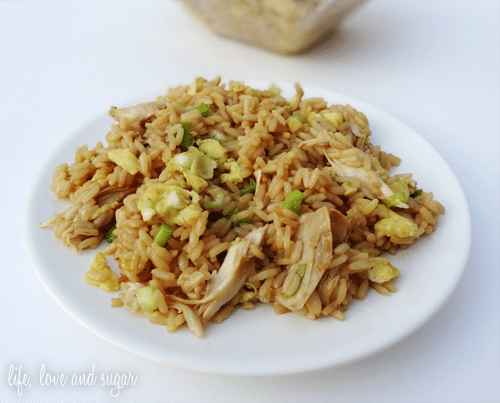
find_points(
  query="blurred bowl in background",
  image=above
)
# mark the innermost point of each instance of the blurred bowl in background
(284, 26)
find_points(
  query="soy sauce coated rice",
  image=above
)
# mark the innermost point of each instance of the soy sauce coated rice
(321, 156)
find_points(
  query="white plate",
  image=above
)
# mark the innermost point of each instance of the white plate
(259, 342)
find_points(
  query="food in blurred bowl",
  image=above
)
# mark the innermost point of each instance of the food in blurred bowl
(285, 26)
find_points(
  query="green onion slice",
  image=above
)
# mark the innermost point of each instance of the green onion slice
(250, 188)
(146, 298)
(396, 198)
(299, 116)
(301, 270)
(416, 193)
(231, 213)
(275, 90)
(186, 138)
(218, 200)
(293, 200)
(220, 137)
(237, 223)
(110, 234)
(204, 109)
(163, 234)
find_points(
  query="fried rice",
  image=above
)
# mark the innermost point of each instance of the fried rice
(217, 196)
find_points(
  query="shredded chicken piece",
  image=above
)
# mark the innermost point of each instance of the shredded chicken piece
(110, 195)
(379, 188)
(361, 174)
(238, 265)
(192, 319)
(320, 231)
(138, 113)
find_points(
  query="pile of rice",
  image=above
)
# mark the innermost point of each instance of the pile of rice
(280, 160)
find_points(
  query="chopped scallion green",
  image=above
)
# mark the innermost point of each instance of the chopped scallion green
(396, 198)
(301, 270)
(146, 298)
(293, 200)
(275, 90)
(231, 213)
(237, 223)
(220, 137)
(299, 116)
(186, 139)
(247, 296)
(416, 193)
(250, 188)
(110, 234)
(163, 234)
(218, 200)
(204, 109)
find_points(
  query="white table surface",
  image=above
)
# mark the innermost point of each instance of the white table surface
(434, 65)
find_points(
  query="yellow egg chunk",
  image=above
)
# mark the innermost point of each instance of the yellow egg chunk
(294, 124)
(171, 201)
(234, 174)
(382, 270)
(395, 225)
(213, 149)
(311, 117)
(124, 158)
(196, 183)
(101, 275)
(334, 118)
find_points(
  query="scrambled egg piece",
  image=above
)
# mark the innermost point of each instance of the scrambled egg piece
(405, 185)
(101, 275)
(239, 87)
(196, 183)
(334, 118)
(213, 149)
(124, 158)
(294, 124)
(395, 225)
(311, 117)
(173, 203)
(349, 190)
(382, 270)
(194, 162)
(234, 175)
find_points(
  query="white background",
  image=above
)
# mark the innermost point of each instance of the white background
(434, 65)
